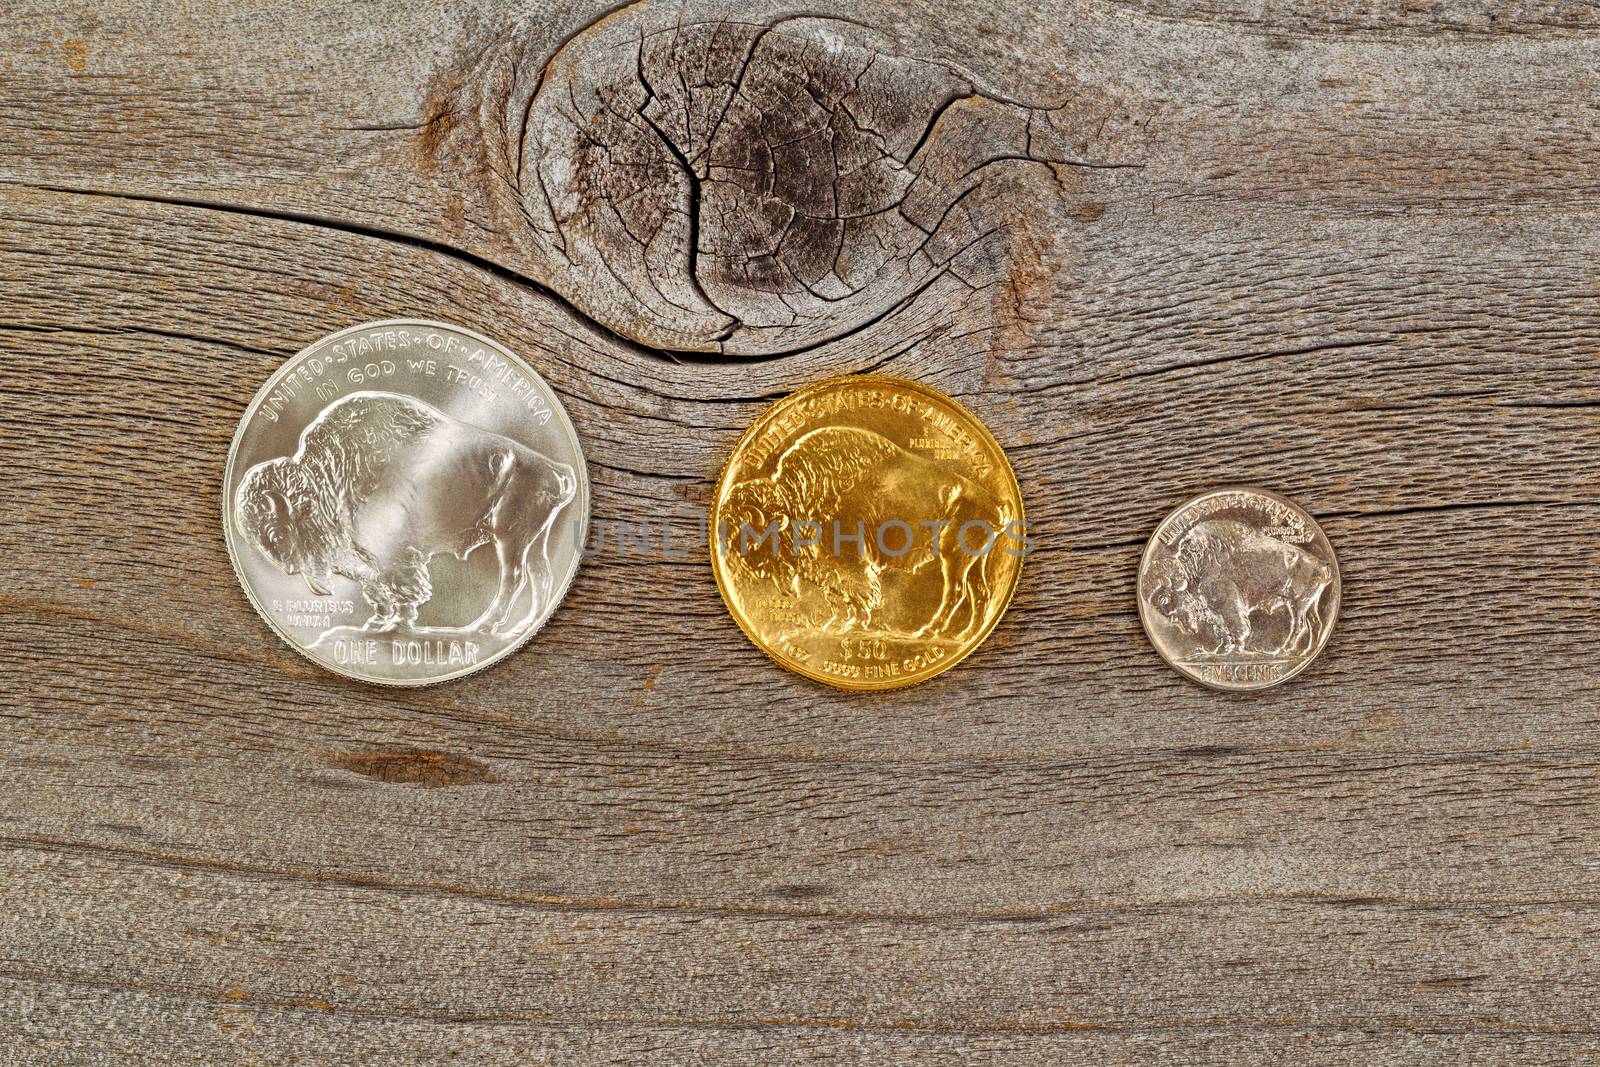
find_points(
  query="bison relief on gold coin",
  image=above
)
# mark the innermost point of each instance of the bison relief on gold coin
(867, 532)
(867, 485)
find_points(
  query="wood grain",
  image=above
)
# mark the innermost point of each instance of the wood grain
(1342, 252)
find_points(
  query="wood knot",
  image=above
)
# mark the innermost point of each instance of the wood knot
(701, 184)
(431, 770)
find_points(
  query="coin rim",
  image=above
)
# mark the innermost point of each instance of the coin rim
(772, 411)
(1338, 589)
(228, 533)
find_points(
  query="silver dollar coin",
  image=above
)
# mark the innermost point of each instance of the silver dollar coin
(1239, 589)
(405, 502)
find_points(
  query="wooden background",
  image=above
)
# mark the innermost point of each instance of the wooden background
(1344, 251)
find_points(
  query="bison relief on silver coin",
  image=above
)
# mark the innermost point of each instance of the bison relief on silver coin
(1236, 591)
(1239, 589)
(382, 483)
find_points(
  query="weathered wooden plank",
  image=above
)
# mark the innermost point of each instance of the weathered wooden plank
(1350, 259)
(231, 937)
(110, 1021)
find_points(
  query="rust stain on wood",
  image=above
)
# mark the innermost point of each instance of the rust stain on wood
(76, 53)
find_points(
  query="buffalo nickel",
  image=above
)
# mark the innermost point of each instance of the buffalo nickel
(1239, 589)
(405, 502)
(867, 532)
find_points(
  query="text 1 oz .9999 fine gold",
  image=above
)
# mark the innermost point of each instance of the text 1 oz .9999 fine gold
(867, 532)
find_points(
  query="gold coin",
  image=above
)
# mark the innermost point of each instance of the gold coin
(1239, 589)
(867, 532)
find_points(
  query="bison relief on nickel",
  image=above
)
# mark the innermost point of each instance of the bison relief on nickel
(866, 483)
(1236, 592)
(757, 182)
(382, 483)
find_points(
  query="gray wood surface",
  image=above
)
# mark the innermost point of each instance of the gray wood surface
(1340, 251)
